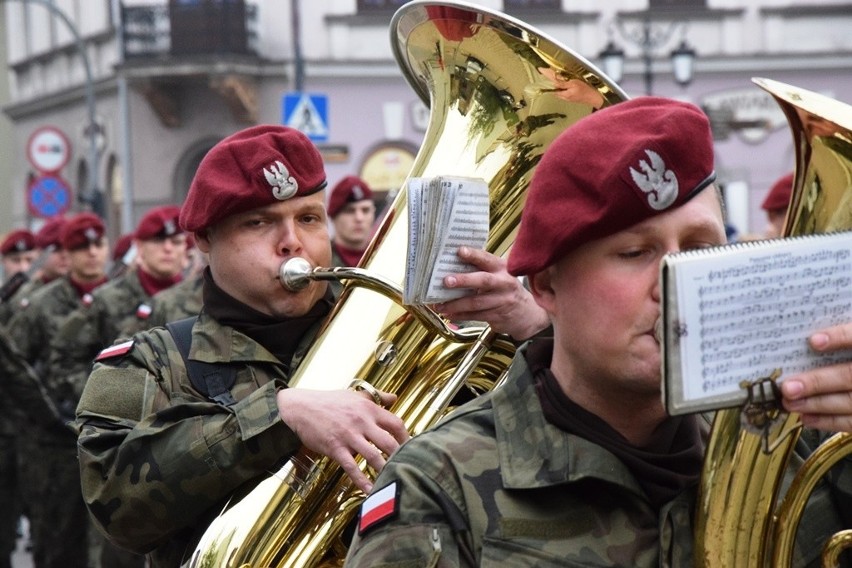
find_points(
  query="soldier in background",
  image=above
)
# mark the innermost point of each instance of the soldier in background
(55, 262)
(776, 203)
(121, 307)
(117, 309)
(59, 521)
(17, 253)
(123, 259)
(182, 300)
(353, 213)
(21, 389)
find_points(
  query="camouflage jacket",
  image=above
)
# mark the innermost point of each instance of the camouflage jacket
(156, 456)
(181, 301)
(118, 310)
(496, 485)
(33, 327)
(39, 315)
(23, 395)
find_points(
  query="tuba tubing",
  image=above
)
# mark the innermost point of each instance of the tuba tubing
(740, 522)
(500, 92)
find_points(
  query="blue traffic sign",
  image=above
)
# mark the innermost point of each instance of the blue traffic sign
(307, 112)
(48, 195)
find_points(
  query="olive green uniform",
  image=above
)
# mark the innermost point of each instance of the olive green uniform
(118, 309)
(158, 460)
(47, 456)
(178, 302)
(495, 484)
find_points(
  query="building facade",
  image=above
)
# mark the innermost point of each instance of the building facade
(132, 93)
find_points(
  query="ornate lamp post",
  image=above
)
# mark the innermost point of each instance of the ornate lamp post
(649, 39)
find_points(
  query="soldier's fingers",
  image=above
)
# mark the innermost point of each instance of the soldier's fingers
(832, 338)
(837, 404)
(824, 380)
(347, 462)
(482, 259)
(828, 422)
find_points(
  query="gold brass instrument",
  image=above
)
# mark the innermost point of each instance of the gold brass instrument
(740, 522)
(499, 93)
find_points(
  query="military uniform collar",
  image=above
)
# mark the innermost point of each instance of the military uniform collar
(534, 453)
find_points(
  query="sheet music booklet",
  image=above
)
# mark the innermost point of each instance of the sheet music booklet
(738, 312)
(445, 212)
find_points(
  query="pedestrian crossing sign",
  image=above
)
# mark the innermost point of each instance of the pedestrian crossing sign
(307, 112)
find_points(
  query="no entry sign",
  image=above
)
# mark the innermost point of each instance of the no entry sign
(48, 149)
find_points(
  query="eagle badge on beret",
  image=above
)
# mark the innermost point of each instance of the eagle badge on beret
(20, 245)
(284, 186)
(91, 234)
(656, 182)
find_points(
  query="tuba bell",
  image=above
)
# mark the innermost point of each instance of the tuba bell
(741, 522)
(499, 92)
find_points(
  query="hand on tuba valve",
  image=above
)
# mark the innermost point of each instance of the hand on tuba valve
(343, 423)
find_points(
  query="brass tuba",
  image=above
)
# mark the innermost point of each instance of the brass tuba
(740, 521)
(499, 93)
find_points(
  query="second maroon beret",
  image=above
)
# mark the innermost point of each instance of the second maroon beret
(611, 170)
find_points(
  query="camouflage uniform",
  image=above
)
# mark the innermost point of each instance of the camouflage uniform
(118, 309)
(20, 389)
(48, 456)
(178, 302)
(497, 485)
(131, 445)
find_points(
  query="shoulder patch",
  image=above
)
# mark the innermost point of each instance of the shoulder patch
(379, 507)
(115, 350)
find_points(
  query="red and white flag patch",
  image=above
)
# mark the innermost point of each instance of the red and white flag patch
(115, 350)
(380, 506)
(143, 311)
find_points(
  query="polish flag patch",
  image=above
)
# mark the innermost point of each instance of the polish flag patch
(378, 507)
(115, 350)
(143, 311)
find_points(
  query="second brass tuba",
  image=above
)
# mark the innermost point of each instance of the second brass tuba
(740, 520)
(500, 92)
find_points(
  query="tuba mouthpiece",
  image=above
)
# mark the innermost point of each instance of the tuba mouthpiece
(294, 274)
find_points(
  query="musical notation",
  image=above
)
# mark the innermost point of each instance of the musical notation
(750, 308)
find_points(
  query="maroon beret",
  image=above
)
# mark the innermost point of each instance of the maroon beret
(611, 170)
(81, 230)
(122, 245)
(253, 168)
(159, 222)
(779, 194)
(348, 190)
(20, 240)
(50, 233)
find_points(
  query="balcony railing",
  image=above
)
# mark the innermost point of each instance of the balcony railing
(190, 28)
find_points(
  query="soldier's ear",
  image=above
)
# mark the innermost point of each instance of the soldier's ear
(202, 239)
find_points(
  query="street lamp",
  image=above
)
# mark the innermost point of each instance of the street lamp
(91, 195)
(648, 38)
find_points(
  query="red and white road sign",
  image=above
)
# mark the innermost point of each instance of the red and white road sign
(48, 149)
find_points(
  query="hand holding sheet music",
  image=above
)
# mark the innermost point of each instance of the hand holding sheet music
(445, 213)
(734, 314)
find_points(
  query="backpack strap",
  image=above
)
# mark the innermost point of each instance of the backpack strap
(214, 380)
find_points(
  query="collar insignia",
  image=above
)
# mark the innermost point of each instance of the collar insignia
(284, 186)
(656, 182)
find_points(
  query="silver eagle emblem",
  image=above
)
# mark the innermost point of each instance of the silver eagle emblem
(284, 186)
(659, 183)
